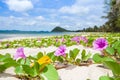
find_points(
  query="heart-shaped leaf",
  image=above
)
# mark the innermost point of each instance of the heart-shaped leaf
(50, 73)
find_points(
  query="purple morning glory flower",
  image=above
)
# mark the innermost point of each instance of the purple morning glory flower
(100, 44)
(83, 38)
(76, 39)
(62, 40)
(19, 53)
(60, 51)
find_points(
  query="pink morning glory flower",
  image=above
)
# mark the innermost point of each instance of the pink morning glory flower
(100, 44)
(76, 39)
(62, 40)
(19, 53)
(60, 51)
(83, 38)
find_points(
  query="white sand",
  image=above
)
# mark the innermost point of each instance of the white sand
(19, 38)
(34, 51)
(91, 72)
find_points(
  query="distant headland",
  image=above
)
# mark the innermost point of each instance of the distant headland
(60, 29)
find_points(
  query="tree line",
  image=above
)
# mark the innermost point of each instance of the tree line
(112, 8)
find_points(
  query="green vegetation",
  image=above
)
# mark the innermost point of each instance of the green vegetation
(59, 40)
(111, 60)
(112, 9)
(113, 16)
(45, 65)
(30, 68)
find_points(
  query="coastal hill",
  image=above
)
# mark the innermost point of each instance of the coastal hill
(60, 29)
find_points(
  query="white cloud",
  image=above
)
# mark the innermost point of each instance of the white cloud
(19, 5)
(67, 26)
(27, 23)
(11, 17)
(40, 18)
(54, 24)
(25, 14)
(83, 13)
(82, 7)
(74, 9)
(30, 23)
(78, 22)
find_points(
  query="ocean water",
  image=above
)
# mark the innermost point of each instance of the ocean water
(42, 34)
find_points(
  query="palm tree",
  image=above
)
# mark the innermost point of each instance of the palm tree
(113, 15)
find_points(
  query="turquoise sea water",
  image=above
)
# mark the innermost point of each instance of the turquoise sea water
(42, 34)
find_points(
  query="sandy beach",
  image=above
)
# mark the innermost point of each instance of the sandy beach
(59, 39)
(72, 72)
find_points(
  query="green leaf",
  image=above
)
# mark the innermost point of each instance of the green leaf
(78, 61)
(110, 50)
(97, 58)
(19, 70)
(73, 53)
(108, 59)
(105, 78)
(10, 64)
(27, 61)
(5, 58)
(118, 50)
(116, 45)
(7, 55)
(115, 67)
(21, 61)
(32, 58)
(28, 70)
(60, 58)
(88, 56)
(50, 73)
(36, 68)
(39, 55)
(2, 68)
(32, 71)
(7, 61)
(52, 56)
(83, 55)
(24, 61)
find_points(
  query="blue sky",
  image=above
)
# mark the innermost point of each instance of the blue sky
(37, 15)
